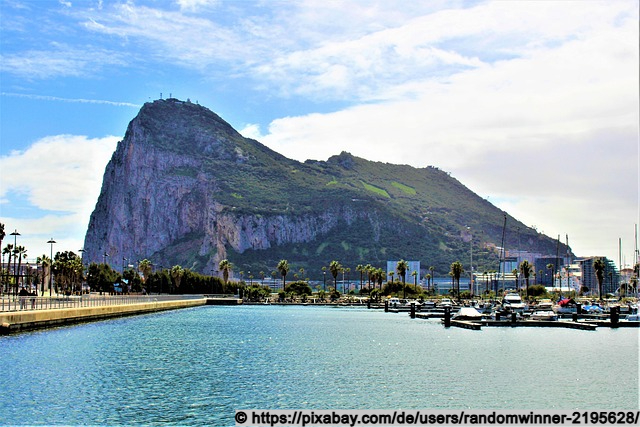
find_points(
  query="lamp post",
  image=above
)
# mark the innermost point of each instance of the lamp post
(51, 241)
(81, 250)
(15, 235)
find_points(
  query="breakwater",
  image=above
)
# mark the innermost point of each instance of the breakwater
(16, 321)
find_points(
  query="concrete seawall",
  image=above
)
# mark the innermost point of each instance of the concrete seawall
(34, 319)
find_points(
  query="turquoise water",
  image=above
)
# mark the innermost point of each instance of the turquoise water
(197, 366)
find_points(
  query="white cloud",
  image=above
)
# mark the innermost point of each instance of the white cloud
(252, 131)
(60, 177)
(194, 5)
(553, 128)
(58, 61)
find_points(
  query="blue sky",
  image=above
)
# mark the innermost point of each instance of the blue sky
(532, 104)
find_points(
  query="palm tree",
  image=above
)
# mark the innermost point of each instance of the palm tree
(369, 269)
(145, 267)
(176, 275)
(283, 268)
(335, 268)
(20, 252)
(8, 250)
(360, 269)
(2, 233)
(415, 280)
(44, 260)
(401, 268)
(599, 266)
(431, 270)
(381, 275)
(456, 272)
(526, 268)
(225, 266)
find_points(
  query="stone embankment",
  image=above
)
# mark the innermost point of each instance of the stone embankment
(16, 321)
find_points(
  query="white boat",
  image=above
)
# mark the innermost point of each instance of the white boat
(467, 313)
(445, 302)
(513, 302)
(543, 315)
(394, 302)
(429, 304)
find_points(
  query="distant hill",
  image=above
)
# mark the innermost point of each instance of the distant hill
(183, 187)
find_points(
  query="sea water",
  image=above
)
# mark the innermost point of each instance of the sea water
(197, 366)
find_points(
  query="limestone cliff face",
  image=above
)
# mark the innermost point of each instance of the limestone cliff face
(183, 187)
(160, 194)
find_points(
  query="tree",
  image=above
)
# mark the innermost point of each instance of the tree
(133, 280)
(145, 268)
(45, 261)
(225, 266)
(377, 277)
(335, 268)
(283, 269)
(2, 233)
(360, 269)
(68, 270)
(100, 277)
(526, 268)
(415, 280)
(300, 288)
(401, 268)
(176, 275)
(599, 266)
(20, 252)
(2, 236)
(8, 250)
(456, 272)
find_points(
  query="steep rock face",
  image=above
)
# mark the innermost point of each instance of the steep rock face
(156, 191)
(183, 187)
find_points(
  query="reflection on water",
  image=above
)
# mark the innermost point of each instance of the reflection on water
(197, 366)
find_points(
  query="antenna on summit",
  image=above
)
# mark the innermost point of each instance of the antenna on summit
(160, 95)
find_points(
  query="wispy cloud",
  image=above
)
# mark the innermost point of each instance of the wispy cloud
(59, 61)
(73, 100)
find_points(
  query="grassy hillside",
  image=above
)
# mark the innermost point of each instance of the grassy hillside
(424, 213)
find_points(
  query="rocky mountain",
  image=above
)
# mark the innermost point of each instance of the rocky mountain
(183, 187)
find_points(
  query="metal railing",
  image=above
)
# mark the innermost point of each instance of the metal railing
(21, 303)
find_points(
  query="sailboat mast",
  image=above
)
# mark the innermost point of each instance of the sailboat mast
(502, 252)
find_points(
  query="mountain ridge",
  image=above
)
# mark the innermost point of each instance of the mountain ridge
(184, 187)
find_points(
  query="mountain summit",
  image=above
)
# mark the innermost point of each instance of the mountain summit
(184, 187)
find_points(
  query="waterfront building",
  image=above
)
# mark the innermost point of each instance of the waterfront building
(541, 264)
(611, 281)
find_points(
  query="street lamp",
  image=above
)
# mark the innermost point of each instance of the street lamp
(51, 266)
(15, 235)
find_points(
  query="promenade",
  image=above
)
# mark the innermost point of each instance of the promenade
(25, 313)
